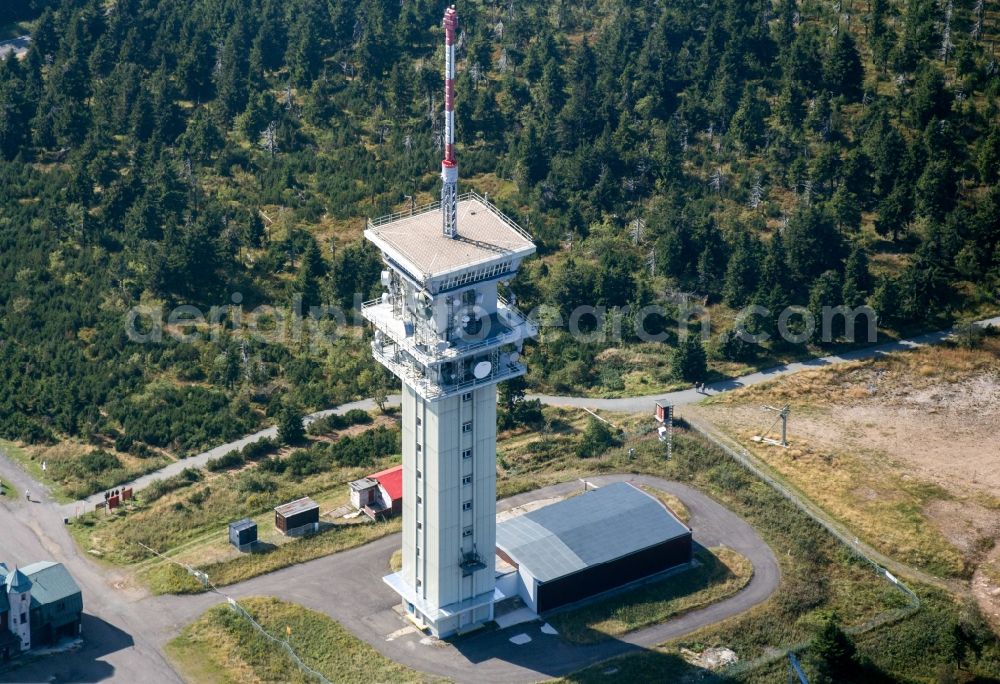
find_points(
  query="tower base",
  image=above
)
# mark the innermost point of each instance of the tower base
(443, 621)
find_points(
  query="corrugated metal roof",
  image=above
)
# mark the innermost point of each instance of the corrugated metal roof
(50, 582)
(392, 480)
(362, 483)
(296, 507)
(592, 528)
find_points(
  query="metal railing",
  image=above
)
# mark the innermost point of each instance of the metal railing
(469, 195)
(431, 389)
(513, 318)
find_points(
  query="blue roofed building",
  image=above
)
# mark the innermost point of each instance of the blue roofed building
(39, 605)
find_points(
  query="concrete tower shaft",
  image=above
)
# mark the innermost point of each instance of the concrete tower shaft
(443, 328)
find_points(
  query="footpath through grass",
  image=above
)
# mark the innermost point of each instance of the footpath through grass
(221, 647)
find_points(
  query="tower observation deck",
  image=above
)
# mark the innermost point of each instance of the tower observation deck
(443, 329)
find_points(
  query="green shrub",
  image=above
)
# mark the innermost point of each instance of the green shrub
(338, 421)
(255, 451)
(161, 488)
(272, 465)
(233, 459)
(597, 439)
(97, 462)
(251, 482)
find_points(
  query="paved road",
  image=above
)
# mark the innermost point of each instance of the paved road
(122, 642)
(642, 404)
(689, 396)
(126, 630)
(201, 459)
(17, 45)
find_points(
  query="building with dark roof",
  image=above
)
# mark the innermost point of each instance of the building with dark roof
(297, 517)
(243, 533)
(591, 543)
(39, 604)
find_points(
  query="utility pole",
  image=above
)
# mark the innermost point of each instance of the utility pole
(783, 417)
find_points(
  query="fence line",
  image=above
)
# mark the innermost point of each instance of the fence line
(749, 463)
(240, 610)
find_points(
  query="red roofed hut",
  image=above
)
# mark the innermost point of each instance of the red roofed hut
(379, 495)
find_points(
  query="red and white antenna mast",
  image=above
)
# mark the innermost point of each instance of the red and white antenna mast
(449, 169)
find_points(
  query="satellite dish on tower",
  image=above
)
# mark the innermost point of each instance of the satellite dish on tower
(482, 369)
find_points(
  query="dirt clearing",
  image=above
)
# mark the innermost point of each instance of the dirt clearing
(905, 448)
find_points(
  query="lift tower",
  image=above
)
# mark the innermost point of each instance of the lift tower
(442, 328)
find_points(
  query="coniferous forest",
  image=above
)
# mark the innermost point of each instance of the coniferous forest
(728, 153)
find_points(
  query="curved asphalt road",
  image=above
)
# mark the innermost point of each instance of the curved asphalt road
(348, 587)
(126, 629)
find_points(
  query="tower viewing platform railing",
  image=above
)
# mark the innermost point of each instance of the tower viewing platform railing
(436, 206)
(389, 356)
(516, 326)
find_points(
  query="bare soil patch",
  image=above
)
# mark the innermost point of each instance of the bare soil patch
(904, 448)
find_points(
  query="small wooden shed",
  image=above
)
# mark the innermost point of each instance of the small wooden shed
(243, 533)
(297, 517)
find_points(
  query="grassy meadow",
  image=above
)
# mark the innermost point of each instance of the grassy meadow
(222, 648)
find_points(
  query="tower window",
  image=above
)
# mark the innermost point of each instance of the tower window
(24, 618)
(467, 453)
(419, 448)
(467, 426)
(467, 506)
(467, 480)
(467, 396)
(419, 422)
(467, 532)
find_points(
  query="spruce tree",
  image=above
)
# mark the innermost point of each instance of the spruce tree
(689, 361)
(290, 428)
(311, 271)
(833, 653)
(742, 272)
(842, 71)
(857, 277)
(748, 125)
(826, 292)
